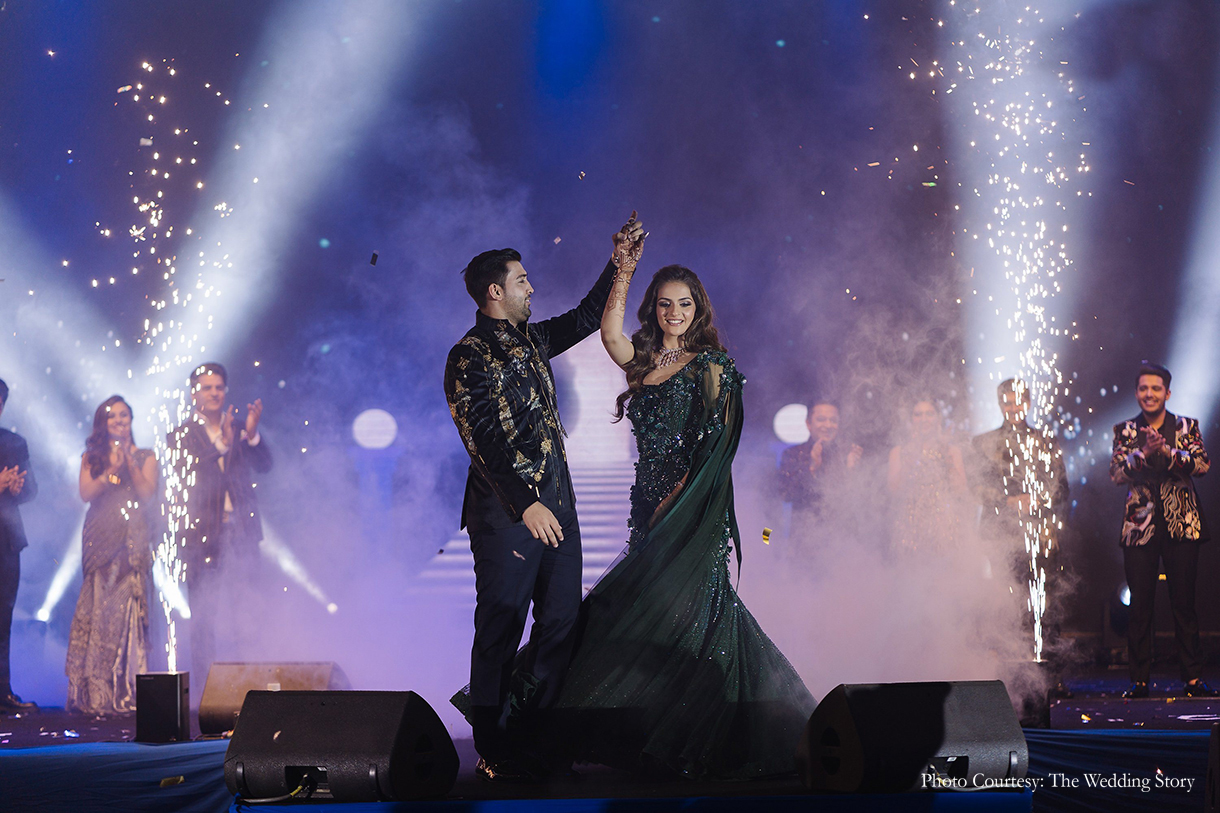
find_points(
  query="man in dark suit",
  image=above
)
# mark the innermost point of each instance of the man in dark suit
(1021, 481)
(1021, 474)
(1155, 455)
(520, 508)
(216, 460)
(17, 485)
(807, 469)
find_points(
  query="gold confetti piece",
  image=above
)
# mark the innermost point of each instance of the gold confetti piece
(170, 781)
(557, 239)
(519, 556)
(766, 536)
(580, 177)
(875, 164)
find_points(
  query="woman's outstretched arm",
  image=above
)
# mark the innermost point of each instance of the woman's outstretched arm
(628, 246)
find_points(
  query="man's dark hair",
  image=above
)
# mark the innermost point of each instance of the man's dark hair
(487, 268)
(209, 368)
(1014, 385)
(3, 392)
(1148, 368)
(813, 402)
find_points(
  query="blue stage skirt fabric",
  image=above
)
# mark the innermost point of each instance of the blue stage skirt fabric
(1115, 770)
(116, 776)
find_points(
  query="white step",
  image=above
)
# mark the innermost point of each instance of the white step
(603, 504)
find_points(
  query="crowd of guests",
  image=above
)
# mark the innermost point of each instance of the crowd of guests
(215, 458)
(1009, 488)
(935, 485)
(1003, 484)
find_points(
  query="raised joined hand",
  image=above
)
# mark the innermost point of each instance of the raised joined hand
(629, 244)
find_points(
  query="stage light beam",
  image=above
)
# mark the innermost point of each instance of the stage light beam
(1194, 354)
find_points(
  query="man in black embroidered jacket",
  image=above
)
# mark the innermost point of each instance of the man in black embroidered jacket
(1155, 455)
(519, 508)
(17, 485)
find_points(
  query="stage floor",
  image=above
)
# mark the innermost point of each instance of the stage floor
(1118, 755)
(1098, 704)
(85, 776)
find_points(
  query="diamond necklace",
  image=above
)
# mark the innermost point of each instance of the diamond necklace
(664, 358)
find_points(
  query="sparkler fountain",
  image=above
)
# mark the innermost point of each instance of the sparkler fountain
(1019, 171)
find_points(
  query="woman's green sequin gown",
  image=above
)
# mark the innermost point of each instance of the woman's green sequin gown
(671, 670)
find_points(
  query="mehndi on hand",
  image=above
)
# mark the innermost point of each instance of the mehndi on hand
(628, 246)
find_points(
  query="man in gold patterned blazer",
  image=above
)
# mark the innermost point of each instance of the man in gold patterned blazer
(520, 509)
(1155, 455)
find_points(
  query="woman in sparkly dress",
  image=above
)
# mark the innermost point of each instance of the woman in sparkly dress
(671, 672)
(108, 640)
(927, 482)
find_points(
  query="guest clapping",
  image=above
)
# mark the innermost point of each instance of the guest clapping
(108, 640)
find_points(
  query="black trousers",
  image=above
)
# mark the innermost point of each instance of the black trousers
(1181, 560)
(213, 588)
(10, 578)
(511, 569)
(205, 600)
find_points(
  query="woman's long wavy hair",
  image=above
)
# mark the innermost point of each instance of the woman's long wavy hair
(97, 447)
(700, 336)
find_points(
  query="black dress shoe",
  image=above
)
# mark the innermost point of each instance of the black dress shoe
(1136, 690)
(10, 703)
(503, 771)
(1199, 689)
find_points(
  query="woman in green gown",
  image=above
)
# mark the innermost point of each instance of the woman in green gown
(671, 671)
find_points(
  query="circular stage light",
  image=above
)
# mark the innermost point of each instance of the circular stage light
(789, 423)
(374, 429)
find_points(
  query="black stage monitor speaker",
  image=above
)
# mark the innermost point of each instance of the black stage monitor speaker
(163, 707)
(228, 683)
(344, 746)
(913, 736)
